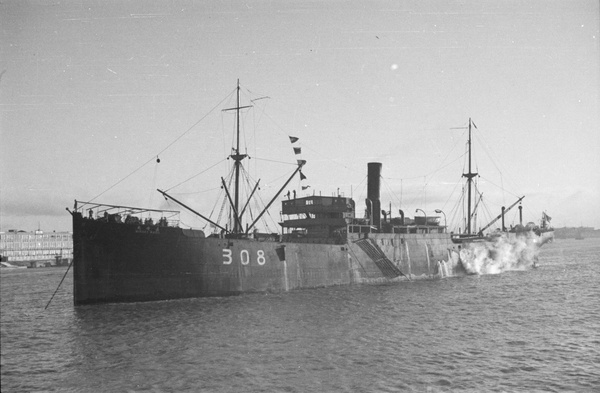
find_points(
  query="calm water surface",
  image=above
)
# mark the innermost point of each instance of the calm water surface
(536, 330)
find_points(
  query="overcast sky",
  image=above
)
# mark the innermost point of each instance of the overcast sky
(92, 91)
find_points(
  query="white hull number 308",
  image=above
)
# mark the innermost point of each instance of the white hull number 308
(244, 257)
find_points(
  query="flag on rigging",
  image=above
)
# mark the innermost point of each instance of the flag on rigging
(297, 150)
(302, 177)
(305, 187)
(293, 139)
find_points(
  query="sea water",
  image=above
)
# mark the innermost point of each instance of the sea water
(527, 330)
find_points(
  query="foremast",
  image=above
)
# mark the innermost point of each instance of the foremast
(238, 157)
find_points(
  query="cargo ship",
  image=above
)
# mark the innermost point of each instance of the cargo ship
(120, 256)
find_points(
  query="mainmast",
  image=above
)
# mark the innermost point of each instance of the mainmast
(469, 177)
(237, 157)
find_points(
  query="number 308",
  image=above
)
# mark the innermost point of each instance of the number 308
(244, 257)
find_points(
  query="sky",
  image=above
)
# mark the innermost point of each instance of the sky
(93, 92)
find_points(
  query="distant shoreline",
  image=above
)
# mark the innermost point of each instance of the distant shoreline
(576, 232)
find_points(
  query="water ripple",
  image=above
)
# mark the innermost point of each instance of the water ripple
(517, 331)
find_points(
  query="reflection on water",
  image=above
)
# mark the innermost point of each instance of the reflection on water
(523, 330)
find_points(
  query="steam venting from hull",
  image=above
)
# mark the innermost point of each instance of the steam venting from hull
(506, 252)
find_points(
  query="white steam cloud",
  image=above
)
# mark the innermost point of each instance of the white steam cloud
(502, 254)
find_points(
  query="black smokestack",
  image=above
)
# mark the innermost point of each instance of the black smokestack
(373, 187)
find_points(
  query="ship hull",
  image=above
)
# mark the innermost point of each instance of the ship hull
(118, 262)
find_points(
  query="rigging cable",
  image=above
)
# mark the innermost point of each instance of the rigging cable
(497, 165)
(430, 175)
(197, 174)
(162, 151)
(500, 187)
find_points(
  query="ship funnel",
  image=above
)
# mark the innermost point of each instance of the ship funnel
(373, 190)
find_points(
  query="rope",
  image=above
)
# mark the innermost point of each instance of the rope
(59, 284)
(196, 175)
(162, 151)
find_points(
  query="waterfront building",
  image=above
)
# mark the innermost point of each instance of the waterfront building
(36, 248)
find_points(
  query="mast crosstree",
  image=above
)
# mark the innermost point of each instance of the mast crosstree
(238, 229)
(237, 157)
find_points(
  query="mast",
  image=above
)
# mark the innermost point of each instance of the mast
(238, 160)
(234, 202)
(469, 177)
(237, 157)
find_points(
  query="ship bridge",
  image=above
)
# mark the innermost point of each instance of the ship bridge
(316, 218)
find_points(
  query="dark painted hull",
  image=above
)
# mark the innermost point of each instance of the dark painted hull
(118, 262)
(115, 262)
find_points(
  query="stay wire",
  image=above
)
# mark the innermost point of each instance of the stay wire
(162, 151)
(196, 175)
